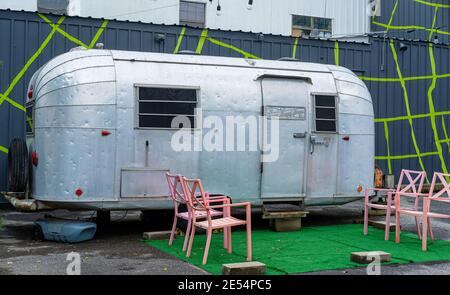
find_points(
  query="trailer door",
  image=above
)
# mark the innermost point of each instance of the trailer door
(287, 100)
(322, 170)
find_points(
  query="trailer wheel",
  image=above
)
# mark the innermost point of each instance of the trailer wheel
(103, 218)
(38, 234)
(18, 166)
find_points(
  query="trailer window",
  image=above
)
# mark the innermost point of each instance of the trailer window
(159, 106)
(325, 113)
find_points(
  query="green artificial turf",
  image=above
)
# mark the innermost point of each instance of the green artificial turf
(307, 250)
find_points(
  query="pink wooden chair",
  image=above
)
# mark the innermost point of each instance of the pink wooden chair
(191, 187)
(178, 197)
(425, 214)
(413, 187)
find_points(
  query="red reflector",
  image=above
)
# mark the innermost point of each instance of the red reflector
(346, 138)
(105, 133)
(359, 188)
(30, 92)
(78, 192)
(34, 158)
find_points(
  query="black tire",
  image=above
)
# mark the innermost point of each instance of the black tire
(18, 165)
(103, 218)
(38, 234)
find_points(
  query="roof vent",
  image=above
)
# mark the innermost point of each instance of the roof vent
(288, 59)
(188, 52)
(99, 46)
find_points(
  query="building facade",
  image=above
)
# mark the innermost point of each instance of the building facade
(321, 18)
(408, 79)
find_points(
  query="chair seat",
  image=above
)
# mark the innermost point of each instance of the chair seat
(199, 214)
(420, 213)
(445, 200)
(221, 222)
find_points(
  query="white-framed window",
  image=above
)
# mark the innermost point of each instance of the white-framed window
(192, 14)
(325, 113)
(303, 25)
(53, 6)
(157, 106)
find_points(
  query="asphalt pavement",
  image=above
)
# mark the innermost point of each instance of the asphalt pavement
(118, 248)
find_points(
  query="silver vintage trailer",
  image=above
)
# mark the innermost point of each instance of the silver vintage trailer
(102, 134)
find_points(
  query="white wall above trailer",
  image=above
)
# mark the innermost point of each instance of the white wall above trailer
(27, 5)
(349, 17)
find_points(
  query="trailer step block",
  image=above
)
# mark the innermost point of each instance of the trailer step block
(381, 224)
(156, 235)
(370, 256)
(244, 268)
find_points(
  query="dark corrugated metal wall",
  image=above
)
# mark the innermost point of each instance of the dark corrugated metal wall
(411, 17)
(23, 34)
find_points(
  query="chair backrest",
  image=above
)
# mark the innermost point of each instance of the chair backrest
(176, 188)
(192, 189)
(413, 181)
(445, 191)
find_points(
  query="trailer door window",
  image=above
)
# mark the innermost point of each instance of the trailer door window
(325, 113)
(159, 106)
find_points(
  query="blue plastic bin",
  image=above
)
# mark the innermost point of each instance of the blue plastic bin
(67, 231)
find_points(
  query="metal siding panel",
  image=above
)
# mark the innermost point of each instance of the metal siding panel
(411, 13)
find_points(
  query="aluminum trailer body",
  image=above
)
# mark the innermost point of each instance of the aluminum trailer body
(102, 140)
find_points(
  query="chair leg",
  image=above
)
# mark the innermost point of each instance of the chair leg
(191, 241)
(424, 233)
(366, 216)
(225, 230)
(208, 242)
(249, 241)
(430, 228)
(388, 220)
(229, 246)
(226, 213)
(187, 234)
(225, 237)
(418, 227)
(174, 227)
(397, 227)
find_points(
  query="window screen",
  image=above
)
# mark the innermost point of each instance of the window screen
(311, 26)
(159, 106)
(325, 113)
(192, 14)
